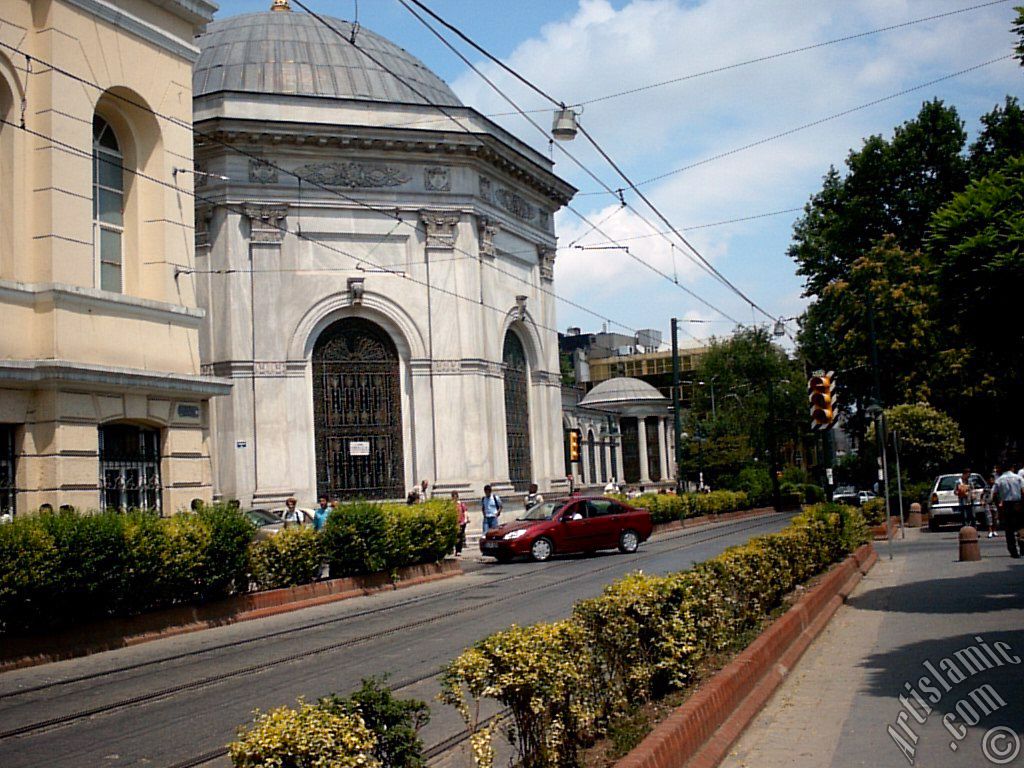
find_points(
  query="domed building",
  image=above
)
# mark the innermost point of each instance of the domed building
(376, 261)
(625, 433)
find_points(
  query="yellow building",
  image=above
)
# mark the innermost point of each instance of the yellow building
(644, 364)
(101, 399)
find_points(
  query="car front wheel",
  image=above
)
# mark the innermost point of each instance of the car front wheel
(542, 549)
(629, 541)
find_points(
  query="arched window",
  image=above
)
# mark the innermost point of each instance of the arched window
(517, 413)
(107, 205)
(129, 467)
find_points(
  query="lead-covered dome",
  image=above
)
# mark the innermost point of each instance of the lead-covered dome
(624, 390)
(294, 53)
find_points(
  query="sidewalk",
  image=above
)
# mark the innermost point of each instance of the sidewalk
(918, 616)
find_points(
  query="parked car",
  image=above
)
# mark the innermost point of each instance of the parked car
(569, 525)
(846, 494)
(865, 496)
(944, 506)
(267, 523)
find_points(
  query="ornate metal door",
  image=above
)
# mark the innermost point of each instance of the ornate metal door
(357, 412)
(517, 413)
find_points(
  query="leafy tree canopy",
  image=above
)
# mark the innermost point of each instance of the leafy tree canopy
(929, 439)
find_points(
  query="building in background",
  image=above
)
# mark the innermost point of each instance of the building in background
(377, 262)
(102, 403)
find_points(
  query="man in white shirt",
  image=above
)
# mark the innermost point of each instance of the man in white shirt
(1007, 494)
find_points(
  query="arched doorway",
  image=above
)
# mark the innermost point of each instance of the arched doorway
(517, 412)
(630, 450)
(357, 412)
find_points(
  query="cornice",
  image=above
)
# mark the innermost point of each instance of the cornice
(367, 139)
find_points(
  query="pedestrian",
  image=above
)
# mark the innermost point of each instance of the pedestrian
(491, 507)
(990, 505)
(987, 510)
(1007, 493)
(572, 484)
(320, 514)
(413, 497)
(965, 498)
(532, 498)
(424, 496)
(611, 487)
(460, 540)
(292, 514)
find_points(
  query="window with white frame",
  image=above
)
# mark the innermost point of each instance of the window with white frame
(107, 205)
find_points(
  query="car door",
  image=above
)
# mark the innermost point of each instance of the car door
(604, 519)
(573, 535)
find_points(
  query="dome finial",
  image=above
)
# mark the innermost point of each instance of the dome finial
(280, 5)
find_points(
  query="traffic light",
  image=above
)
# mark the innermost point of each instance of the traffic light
(574, 445)
(821, 390)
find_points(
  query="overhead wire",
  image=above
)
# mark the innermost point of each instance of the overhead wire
(184, 269)
(700, 260)
(386, 211)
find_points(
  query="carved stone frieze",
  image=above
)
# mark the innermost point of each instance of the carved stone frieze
(546, 259)
(437, 178)
(262, 172)
(267, 221)
(440, 227)
(485, 188)
(514, 203)
(352, 175)
(447, 366)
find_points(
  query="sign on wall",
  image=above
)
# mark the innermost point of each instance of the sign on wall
(359, 448)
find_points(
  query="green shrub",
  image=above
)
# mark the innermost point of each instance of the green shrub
(294, 556)
(564, 682)
(395, 723)
(356, 539)
(874, 511)
(813, 494)
(756, 482)
(307, 737)
(666, 507)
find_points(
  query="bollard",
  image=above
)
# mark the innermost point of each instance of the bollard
(969, 549)
(914, 520)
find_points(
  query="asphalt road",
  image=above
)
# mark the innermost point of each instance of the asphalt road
(177, 702)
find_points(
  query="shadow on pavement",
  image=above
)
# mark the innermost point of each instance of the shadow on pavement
(982, 592)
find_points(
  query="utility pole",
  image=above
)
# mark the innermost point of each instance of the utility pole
(899, 481)
(677, 416)
(878, 412)
(773, 450)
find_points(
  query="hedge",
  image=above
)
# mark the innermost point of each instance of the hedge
(666, 507)
(643, 636)
(63, 568)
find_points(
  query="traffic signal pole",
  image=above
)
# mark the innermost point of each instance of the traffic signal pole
(677, 416)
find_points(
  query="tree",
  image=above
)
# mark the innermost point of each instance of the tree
(929, 439)
(892, 187)
(977, 248)
(742, 368)
(895, 287)
(1018, 30)
(1001, 137)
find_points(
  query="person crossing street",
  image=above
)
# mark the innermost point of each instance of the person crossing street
(1007, 495)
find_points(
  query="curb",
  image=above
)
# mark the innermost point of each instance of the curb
(108, 634)
(701, 731)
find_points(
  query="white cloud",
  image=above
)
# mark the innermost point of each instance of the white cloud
(602, 49)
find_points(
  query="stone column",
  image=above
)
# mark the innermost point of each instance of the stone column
(641, 432)
(608, 459)
(620, 472)
(662, 453)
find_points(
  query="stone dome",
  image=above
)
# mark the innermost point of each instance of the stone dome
(285, 52)
(623, 391)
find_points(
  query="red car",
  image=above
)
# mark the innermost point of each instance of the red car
(569, 525)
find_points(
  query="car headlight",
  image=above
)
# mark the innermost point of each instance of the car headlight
(514, 534)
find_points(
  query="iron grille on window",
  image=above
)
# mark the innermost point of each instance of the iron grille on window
(517, 413)
(129, 468)
(8, 489)
(357, 412)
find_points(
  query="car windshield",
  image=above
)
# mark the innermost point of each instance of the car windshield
(947, 483)
(261, 517)
(543, 511)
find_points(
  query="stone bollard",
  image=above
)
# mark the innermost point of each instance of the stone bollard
(969, 549)
(914, 519)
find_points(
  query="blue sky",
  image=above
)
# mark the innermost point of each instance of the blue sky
(585, 49)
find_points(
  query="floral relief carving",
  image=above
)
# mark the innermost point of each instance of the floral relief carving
(352, 175)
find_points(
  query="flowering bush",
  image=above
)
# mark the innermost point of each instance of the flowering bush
(666, 507)
(307, 737)
(639, 639)
(294, 556)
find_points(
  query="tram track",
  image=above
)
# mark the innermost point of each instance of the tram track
(677, 542)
